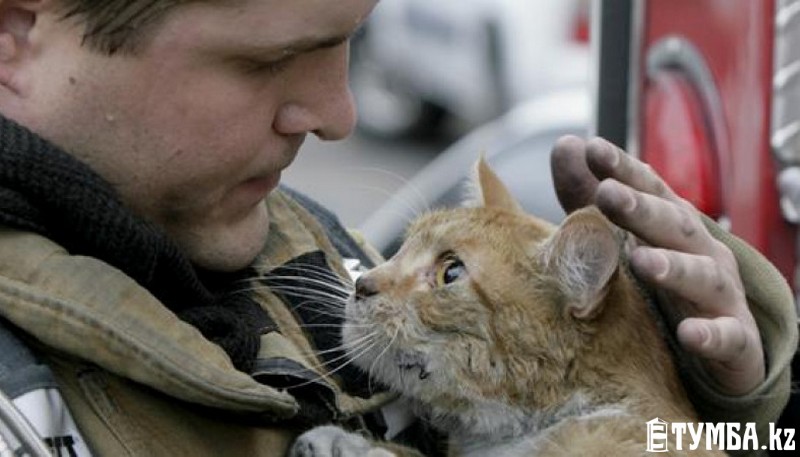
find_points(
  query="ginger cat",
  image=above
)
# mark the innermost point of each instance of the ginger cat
(515, 337)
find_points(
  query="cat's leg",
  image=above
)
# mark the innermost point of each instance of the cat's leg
(331, 441)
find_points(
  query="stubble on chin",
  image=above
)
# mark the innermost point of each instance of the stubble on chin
(225, 247)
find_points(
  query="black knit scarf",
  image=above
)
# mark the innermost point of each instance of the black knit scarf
(47, 191)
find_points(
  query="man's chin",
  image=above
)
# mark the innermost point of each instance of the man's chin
(228, 248)
(225, 262)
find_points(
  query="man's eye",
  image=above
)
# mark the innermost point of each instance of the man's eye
(451, 269)
(268, 67)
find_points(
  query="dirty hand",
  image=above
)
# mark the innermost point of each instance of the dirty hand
(676, 254)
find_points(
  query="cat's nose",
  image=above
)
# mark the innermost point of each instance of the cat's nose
(365, 287)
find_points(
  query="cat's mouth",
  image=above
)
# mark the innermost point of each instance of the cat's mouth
(415, 361)
(423, 373)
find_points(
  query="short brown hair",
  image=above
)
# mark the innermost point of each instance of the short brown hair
(118, 25)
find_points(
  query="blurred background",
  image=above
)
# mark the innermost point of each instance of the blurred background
(707, 92)
(425, 74)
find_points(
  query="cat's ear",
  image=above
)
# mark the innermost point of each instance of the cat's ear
(493, 193)
(584, 255)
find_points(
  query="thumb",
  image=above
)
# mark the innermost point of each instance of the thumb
(733, 356)
(723, 339)
(574, 183)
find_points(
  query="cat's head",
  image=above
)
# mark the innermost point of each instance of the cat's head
(480, 303)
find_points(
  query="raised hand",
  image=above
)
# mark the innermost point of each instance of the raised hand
(676, 254)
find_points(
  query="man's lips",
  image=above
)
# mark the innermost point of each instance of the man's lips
(260, 186)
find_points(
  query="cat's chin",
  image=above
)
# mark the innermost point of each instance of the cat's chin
(413, 363)
(404, 372)
(411, 374)
(478, 419)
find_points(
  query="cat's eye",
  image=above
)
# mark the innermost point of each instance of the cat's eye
(451, 269)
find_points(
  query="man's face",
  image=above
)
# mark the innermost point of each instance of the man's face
(195, 130)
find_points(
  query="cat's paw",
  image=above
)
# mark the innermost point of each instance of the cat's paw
(330, 441)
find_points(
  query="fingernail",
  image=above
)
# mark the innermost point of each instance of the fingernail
(654, 263)
(705, 335)
(630, 203)
(619, 196)
(606, 153)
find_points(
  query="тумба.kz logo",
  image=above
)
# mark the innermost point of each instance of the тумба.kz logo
(657, 436)
(725, 436)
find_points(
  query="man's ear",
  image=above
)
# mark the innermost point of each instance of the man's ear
(17, 18)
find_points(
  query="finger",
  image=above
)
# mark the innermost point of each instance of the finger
(657, 221)
(708, 286)
(734, 356)
(574, 183)
(606, 160)
(723, 339)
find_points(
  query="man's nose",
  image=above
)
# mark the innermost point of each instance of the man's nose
(320, 100)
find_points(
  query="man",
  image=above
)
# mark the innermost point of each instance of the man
(150, 268)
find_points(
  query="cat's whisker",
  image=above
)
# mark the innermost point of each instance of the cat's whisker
(361, 349)
(408, 210)
(347, 353)
(324, 285)
(334, 325)
(302, 292)
(317, 280)
(347, 348)
(319, 286)
(331, 310)
(299, 292)
(415, 207)
(404, 218)
(296, 291)
(303, 327)
(322, 306)
(423, 202)
(306, 271)
(306, 268)
(334, 297)
(374, 362)
(352, 358)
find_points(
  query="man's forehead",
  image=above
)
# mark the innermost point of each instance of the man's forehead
(279, 26)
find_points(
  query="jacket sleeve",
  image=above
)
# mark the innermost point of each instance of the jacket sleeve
(773, 305)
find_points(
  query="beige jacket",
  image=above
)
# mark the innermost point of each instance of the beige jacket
(138, 380)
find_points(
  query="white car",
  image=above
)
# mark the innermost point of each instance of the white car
(419, 62)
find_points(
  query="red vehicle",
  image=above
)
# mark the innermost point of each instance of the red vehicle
(708, 93)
